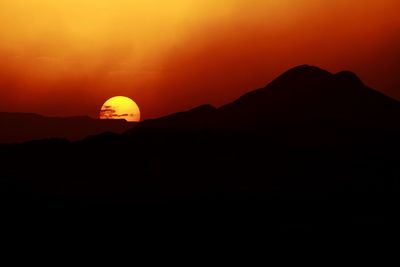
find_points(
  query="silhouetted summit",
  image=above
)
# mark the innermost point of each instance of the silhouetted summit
(349, 78)
(300, 76)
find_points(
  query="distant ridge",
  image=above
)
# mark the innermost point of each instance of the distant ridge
(22, 127)
(304, 96)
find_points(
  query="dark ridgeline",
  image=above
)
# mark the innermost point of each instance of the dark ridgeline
(22, 127)
(311, 146)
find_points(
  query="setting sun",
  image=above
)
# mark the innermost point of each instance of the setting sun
(120, 107)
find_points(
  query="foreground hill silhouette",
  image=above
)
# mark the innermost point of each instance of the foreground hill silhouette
(22, 127)
(311, 147)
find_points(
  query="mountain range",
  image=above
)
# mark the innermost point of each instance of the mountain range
(304, 95)
(323, 143)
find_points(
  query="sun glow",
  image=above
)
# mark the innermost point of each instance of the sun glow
(120, 107)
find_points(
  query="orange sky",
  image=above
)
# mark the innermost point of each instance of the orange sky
(66, 57)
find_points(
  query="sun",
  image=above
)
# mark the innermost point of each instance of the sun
(120, 107)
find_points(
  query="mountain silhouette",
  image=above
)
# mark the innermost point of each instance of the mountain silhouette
(22, 127)
(304, 95)
(311, 146)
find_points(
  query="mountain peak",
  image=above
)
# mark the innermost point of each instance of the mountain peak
(306, 68)
(300, 75)
(348, 77)
(305, 71)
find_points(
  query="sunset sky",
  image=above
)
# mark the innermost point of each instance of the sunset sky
(66, 57)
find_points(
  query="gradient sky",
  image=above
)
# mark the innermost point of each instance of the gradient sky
(66, 57)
